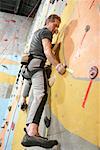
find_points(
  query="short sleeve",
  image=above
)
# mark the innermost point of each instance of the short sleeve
(46, 34)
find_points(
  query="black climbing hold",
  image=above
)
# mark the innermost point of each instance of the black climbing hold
(47, 121)
(7, 123)
(0, 142)
(24, 107)
(87, 28)
(52, 1)
(9, 108)
(3, 126)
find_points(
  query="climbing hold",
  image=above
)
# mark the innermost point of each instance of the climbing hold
(9, 108)
(12, 125)
(0, 142)
(5, 67)
(7, 123)
(87, 28)
(66, 4)
(16, 86)
(47, 121)
(13, 21)
(5, 39)
(52, 1)
(3, 126)
(93, 72)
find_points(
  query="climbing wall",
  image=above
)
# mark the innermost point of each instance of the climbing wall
(76, 96)
(12, 29)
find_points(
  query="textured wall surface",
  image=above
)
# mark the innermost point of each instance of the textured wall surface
(13, 34)
(81, 51)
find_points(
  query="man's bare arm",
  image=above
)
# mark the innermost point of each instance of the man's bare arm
(48, 52)
(51, 57)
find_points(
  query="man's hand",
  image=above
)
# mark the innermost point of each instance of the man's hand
(61, 68)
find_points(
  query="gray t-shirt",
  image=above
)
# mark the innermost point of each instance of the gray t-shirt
(36, 48)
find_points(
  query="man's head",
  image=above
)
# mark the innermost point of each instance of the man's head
(53, 22)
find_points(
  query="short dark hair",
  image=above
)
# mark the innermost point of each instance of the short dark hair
(52, 18)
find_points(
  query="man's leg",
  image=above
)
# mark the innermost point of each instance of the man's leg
(32, 138)
(39, 87)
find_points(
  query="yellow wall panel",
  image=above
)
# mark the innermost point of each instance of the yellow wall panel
(81, 51)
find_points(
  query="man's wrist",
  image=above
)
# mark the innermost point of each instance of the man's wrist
(58, 65)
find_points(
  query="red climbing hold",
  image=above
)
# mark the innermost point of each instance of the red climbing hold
(12, 125)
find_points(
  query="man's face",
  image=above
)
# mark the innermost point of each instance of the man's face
(54, 26)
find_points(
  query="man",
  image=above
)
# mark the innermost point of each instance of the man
(40, 50)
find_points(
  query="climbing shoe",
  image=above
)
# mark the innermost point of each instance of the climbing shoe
(29, 141)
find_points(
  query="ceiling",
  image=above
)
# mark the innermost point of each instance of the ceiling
(20, 7)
